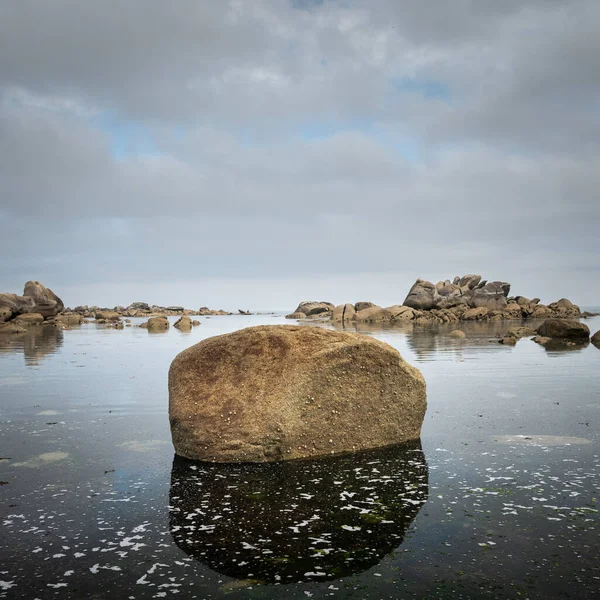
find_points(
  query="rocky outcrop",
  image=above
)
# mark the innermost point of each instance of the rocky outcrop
(564, 329)
(596, 339)
(469, 291)
(465, 298)
(143, 309)
(274, 393)
(36, 298)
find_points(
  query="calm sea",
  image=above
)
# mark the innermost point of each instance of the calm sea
(500, 498)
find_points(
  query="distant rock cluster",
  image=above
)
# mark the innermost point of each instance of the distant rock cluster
(37, 305)
(466, 298)
(142, 309)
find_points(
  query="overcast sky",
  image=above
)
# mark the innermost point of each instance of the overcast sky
(255, 153)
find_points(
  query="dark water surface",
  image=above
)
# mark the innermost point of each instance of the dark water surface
(498, 500)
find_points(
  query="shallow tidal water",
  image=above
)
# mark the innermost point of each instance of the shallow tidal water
(499, 499)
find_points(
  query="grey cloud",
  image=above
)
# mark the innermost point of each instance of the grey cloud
(280, 132)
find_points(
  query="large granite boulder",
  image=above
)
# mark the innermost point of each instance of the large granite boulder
(596, 339)
(564, 329)
(273, 393)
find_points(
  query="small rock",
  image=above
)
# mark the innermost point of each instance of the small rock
(457, 333)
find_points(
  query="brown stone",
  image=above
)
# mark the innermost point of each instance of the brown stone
(374, 314)
(296, 315)
(28, 319)
(475, 314)
(107, 315)
(401, 313)
(75, 319)
(273, 393)
(158, 324)
(363, 306)
(343, 312)
(11, 328)
(457, 333)
(564, 329)
(596, 339)
(184, 323)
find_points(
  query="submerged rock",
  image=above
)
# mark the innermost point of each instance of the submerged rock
(457, 333)
(596, 339)
(274, 393)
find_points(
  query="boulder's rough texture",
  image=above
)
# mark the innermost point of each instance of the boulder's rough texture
(157, 324)
(184, 323)
(296, 315)
(5, 313)
(564, 329)
(274, 393)
(596, 339)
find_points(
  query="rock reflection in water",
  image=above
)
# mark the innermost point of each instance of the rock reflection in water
(298, 520)
(36, 344)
